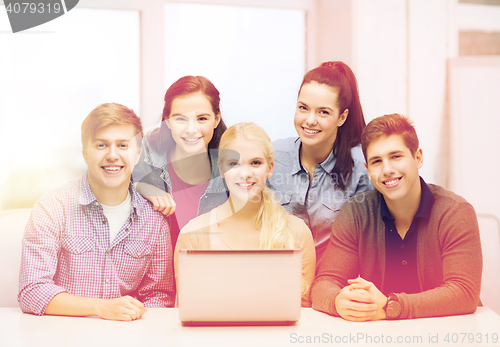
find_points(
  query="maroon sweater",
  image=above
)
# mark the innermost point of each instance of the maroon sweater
(449, 259)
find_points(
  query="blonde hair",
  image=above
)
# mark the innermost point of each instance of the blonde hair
(271, 219)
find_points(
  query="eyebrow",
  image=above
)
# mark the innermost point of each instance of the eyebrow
(321, 108)
(199, 115)
(389, 154)
(252, 159)
(117, 140)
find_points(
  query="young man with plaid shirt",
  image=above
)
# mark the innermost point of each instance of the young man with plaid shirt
(95, 247)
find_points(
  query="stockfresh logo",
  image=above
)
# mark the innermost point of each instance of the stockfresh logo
(25, 14)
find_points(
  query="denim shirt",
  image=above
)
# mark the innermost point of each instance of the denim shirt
(152, 169)
(319, 202)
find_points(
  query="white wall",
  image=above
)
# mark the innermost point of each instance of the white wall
(400, 60)
(380, 56)
(254, 56)
(475, 86)
(333, 25)
(399, 51)
(428, 38)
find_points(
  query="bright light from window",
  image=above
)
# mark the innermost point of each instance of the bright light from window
(52, 77)
(254, 56)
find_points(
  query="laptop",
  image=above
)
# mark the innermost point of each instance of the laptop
(226, 287)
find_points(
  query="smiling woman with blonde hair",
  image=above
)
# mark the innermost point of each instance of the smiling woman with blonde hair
(252, 217)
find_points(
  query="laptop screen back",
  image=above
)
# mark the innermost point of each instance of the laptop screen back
(239, 286)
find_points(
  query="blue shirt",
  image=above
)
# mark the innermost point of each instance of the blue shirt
(401, 275)
(318, 202)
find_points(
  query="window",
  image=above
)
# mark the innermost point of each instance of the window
(53, 75)
(254, 56)
(115, 52)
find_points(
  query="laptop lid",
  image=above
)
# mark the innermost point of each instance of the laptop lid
(226, 286)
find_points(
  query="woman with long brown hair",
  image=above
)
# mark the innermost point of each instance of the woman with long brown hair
(317, 172)
(178, 164)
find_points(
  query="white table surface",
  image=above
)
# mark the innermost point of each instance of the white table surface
(161, 327)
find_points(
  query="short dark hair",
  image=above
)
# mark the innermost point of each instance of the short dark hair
(390, 124)
(106, 115)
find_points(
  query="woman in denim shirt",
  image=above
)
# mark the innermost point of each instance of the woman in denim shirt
(316, 173)
(178, 170)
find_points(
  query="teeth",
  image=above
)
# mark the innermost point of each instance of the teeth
(308, 131)
(191, 140)
(112, 168)
(390, 183)
(245, 184)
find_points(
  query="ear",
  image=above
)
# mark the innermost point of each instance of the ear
(368, 171)
(134, 156)
(167, 122)
(221, 173)
(271, 168)
(419, 157)
(84, 153)
(343, 117)
(139, 151)
(217, 120)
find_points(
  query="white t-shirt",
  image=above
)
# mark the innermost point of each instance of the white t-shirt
(117, 215)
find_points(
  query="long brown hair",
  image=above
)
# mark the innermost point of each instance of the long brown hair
(339, 76)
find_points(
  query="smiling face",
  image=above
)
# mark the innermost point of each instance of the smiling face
(393, 169)
(192, 122)
(245, 168)
(317, 117)
(111, 157)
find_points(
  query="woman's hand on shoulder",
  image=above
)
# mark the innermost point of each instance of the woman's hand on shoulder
(161, 200)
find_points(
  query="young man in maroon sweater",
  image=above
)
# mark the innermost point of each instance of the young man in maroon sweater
(405, 250)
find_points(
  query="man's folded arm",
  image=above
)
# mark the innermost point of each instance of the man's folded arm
(339, 263)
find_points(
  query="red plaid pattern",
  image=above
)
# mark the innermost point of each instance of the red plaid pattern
(66, 248)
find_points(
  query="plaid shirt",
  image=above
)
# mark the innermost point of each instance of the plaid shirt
(66, 248)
